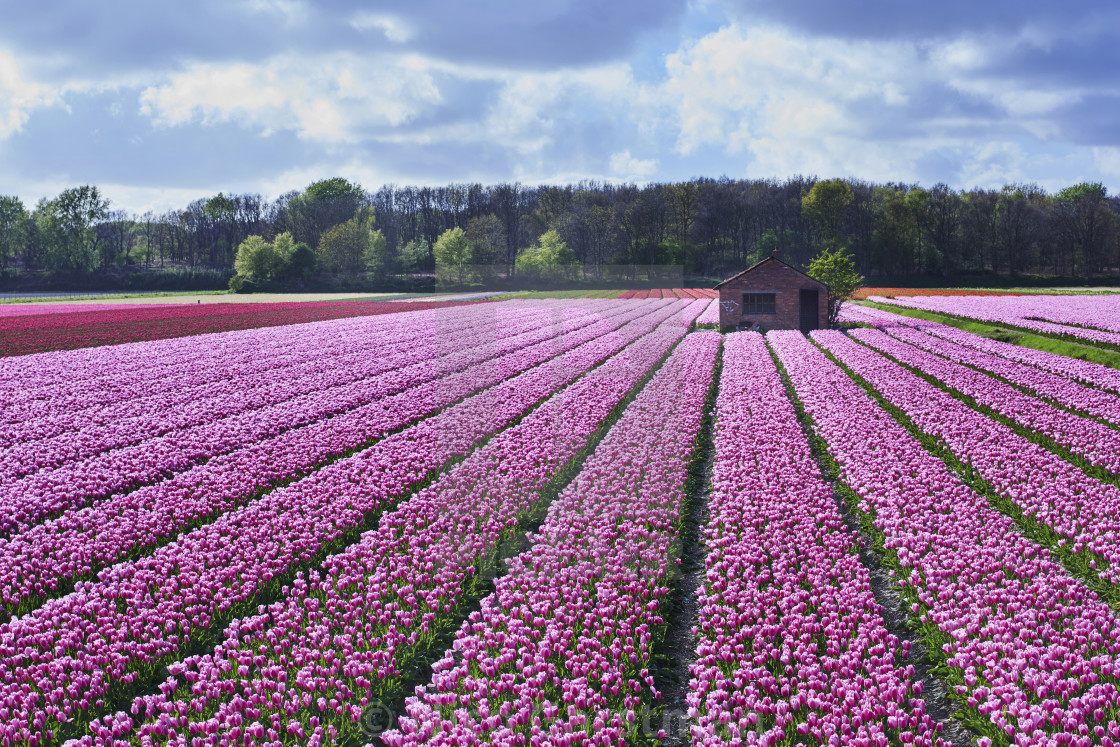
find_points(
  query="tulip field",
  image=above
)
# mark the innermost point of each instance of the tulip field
(37, 328)
(1090, 318)
(558, 521)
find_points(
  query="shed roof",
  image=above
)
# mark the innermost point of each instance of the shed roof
(761, 262)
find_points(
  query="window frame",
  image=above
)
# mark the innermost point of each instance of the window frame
(753, 309)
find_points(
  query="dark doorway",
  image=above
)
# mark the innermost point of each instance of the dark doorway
(810, 309)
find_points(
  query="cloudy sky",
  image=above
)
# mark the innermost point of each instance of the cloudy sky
(161, 103)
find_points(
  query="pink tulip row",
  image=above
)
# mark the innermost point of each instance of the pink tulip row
(91, 379)
(1096, 442)
(858, 313)
(188, 404)
(567, 633)
(311, 661)
(1093, 374)
(72, 651)
(51, 490)
(1030, 652)
(29, 500)
(77, 543)
(1080, 509)
(237, 405)
(206, 391)
(1093, 318)
(792, 643)
(1058, 389)
(95, 377)
(93, 374)
(710, 317)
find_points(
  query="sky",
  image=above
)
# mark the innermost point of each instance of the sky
(161, 103)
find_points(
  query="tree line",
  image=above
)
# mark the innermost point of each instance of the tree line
(709, 228)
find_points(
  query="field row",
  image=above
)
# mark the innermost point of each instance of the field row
(1090, 318)
(96, 457)
(25, 334)
(1028, 649)
(78, 542)
(670, 293)
(1086, 372)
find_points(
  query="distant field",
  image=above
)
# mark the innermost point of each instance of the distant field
(187, 298)
(683, 293)
(42, 328)
(892, 292)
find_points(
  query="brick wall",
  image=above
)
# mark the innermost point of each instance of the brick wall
(771, 277)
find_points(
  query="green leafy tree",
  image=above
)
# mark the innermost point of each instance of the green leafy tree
(342, 247)
(452, 252)
(66, 229)
(220, 211)
(944, 215)
(825, 204)
(416, 256)
(771, 240)
(1085, 225)
(895, 237)
(257, 260)
(548, 259)
(296, 258)
(325, 203)
(685, 199)
(283, 245)
(835, 268)
(14, 229)
(373, 256)
(1018, 217)
(918, 203)
(301, 262)
(486, 236)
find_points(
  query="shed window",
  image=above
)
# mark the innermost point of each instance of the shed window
(759, 303)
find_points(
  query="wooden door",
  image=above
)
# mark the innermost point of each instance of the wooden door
(810, 309)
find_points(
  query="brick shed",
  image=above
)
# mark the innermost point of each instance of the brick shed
(772, 295)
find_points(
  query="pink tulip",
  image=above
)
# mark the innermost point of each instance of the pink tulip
(225, 562)
(1014, 618)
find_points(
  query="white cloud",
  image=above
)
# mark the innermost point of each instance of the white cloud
(961, 55)
(19, 96)
(298, 178)
(130, 197)
(796, 105)
(993, 164)
(790, 103)
(747, 100)
(529, 110)
(326, 100)
(625, 166)
(293, 12)
(394, 28)
(1027, 102)
(963, 64)
(1107, 160)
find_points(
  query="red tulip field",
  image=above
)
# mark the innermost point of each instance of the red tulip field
(37, 328)
(557, 521)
